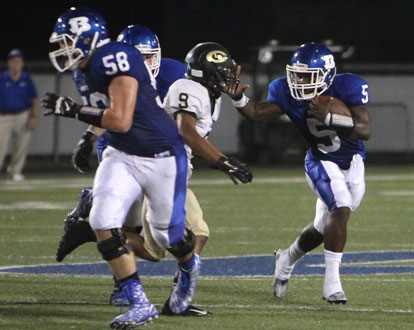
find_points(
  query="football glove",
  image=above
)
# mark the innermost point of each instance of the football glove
(60, 105)
(235, 169)
(83, 151)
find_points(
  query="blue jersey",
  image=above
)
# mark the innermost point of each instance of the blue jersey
(325, 144)
(16, 96)
(170, 71)
(153, 133)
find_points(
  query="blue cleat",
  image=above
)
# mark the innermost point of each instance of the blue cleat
(141, 311)
(118, 297)
(184, 291)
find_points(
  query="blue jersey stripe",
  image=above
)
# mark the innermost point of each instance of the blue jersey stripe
(177, 223)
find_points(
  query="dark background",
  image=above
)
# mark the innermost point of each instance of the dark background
(381, 31)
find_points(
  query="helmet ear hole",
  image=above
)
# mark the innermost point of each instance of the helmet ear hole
(87, 40)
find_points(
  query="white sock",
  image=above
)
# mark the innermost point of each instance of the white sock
(294, 252)
(332, 283)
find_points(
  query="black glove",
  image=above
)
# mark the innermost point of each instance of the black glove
(234, 169)
(60, 105)
(82, 152)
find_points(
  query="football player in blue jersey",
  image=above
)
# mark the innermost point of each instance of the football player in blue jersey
(145, 154)
(77, 231)
(165, 70)
(334, 162)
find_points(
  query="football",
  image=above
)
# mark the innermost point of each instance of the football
(336, 106)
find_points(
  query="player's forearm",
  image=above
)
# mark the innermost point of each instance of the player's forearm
(260, 111)
(362, 123)
(361, 131)
(249, 111)
(202, 147)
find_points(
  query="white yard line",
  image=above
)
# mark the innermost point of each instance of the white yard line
(312, 308)
(363, 263)
(37, 205)
(397, 193)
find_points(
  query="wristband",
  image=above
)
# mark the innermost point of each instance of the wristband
(90, 115)
(333, 119)
(341, 121)
(240, 103)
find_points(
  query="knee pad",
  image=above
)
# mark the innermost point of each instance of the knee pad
(114, 246)
(183, 247)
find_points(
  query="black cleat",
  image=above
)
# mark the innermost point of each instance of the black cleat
(78, 233)
(190, 311)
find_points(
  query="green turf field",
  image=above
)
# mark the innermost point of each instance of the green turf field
(252, 219)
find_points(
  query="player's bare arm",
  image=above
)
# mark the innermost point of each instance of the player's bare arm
(249, 108)
(260, 111)
(362, 128)
(122, 94)
(187, 127)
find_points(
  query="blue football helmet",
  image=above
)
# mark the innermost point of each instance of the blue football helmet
(311, 71)
(146, 41)
(77, 31)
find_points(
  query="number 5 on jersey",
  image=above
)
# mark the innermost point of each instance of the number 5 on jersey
(364, 92)
(116, 63)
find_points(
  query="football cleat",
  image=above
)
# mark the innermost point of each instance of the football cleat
(118, 298)
(190, 311)
(78, 233)
(141, 311)
(183, 293)
(279, 285)
(280, 288)
(336, 298)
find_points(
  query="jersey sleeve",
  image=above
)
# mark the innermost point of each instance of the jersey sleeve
(357, 91)
(275, 94)
(177, 69)
(182, 97)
